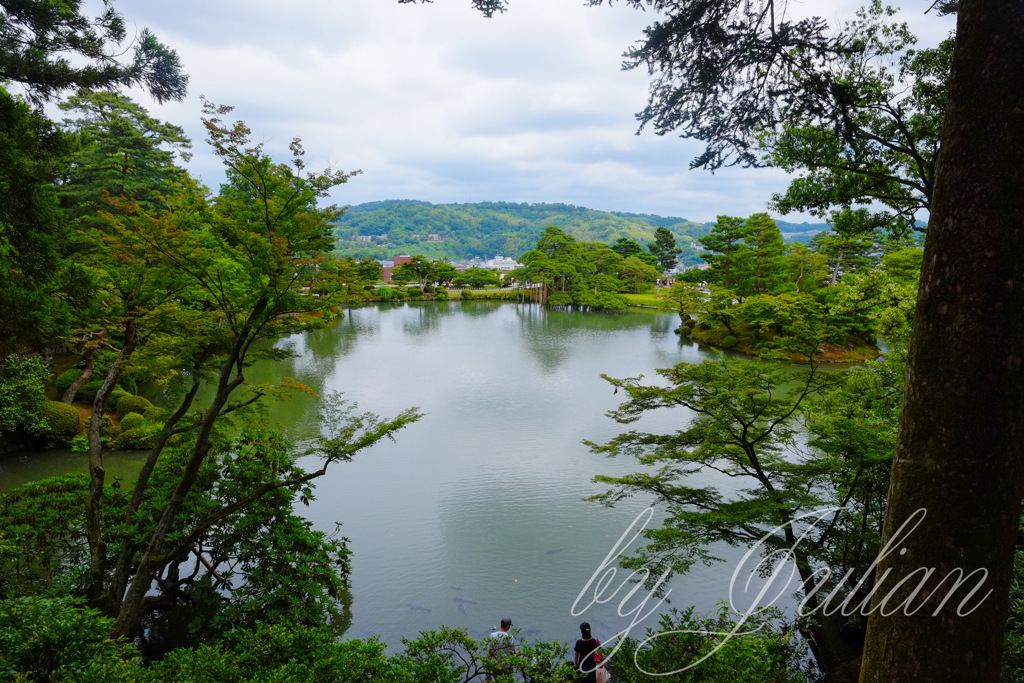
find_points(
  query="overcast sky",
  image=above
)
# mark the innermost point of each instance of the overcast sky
(434, 102)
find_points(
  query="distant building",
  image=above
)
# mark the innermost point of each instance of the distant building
(362, 238)
(503, 264)
(434, 238)
(404, 258)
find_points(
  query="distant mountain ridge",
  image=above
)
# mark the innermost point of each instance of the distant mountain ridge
(462, 231)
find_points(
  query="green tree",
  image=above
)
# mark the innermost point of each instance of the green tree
(625, 247)
(664, 248)
(120, 150)
(442, 271)
(636, 275)
(741, 420)
(39, 292)
(729, 252)
(52, 47)
(880, 142)
(765, 266)
(22, 382)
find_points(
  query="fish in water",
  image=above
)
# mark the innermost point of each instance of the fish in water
(417, 608)
(464, 601)
(462, 608)
(531, 632)
(552, 552)
(456, 588)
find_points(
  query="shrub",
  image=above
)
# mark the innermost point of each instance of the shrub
(441, 295)
(153, 414)
(730, 342)
(466, 295)
(428, 289)
(89, 390)
(142, 437)
(21, 393)
(415, 293)
(61, 421)
(61, 639)
(116, 395)
(107, 426)
(130, 421)
(132, 404)
(66, 379)
(369, 288)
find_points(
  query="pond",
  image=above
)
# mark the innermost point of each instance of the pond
(477, 511)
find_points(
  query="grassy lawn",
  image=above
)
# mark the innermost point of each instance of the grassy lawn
(645, 299)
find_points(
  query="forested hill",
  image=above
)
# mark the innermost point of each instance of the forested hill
(490, 228)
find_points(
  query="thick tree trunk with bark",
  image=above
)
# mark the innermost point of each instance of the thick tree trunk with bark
(960, 449)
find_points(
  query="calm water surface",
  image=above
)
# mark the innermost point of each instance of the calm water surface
(477, 511)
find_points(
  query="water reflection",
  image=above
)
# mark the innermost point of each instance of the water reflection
(477, 511)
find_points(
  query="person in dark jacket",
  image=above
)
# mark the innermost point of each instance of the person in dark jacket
(585, 648)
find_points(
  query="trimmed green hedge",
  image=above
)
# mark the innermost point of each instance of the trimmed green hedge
(89, 390)
(132, 404)
(131, 421)
(66, 379)
(62, 420)
(143, 436)
(153, 414)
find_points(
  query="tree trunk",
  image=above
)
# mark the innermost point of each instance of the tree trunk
(69, 395)
(130, 612)
(97, 474)
(960, 448)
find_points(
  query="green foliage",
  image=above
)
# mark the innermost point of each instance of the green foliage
(487, 228)
(478, 278)
(282, 652)
(891, 104)
(60, 639)
(21, 393)
(61, 422)
(140, 437)
(467, 295)
(39, 291)
(767, 650)
(386, 293)
(130, 421)
(583, 274)
(441, 295)
(664, 248)
(152, 414)
(1013, 644)
(730, 342)
(122, 151)
(87, 394)
(38, 38)
(107, 426)
(132, 404)
(428, 289)
(743, 421)
(66, 379)
(414, 292)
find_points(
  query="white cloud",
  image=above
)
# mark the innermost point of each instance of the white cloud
(434, 102)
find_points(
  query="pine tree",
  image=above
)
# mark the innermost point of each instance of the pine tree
(729, 252)
(766, 265)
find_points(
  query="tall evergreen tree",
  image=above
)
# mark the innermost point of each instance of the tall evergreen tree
(121, 151)
(766, 265)
(729, 252)
(664, 248)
